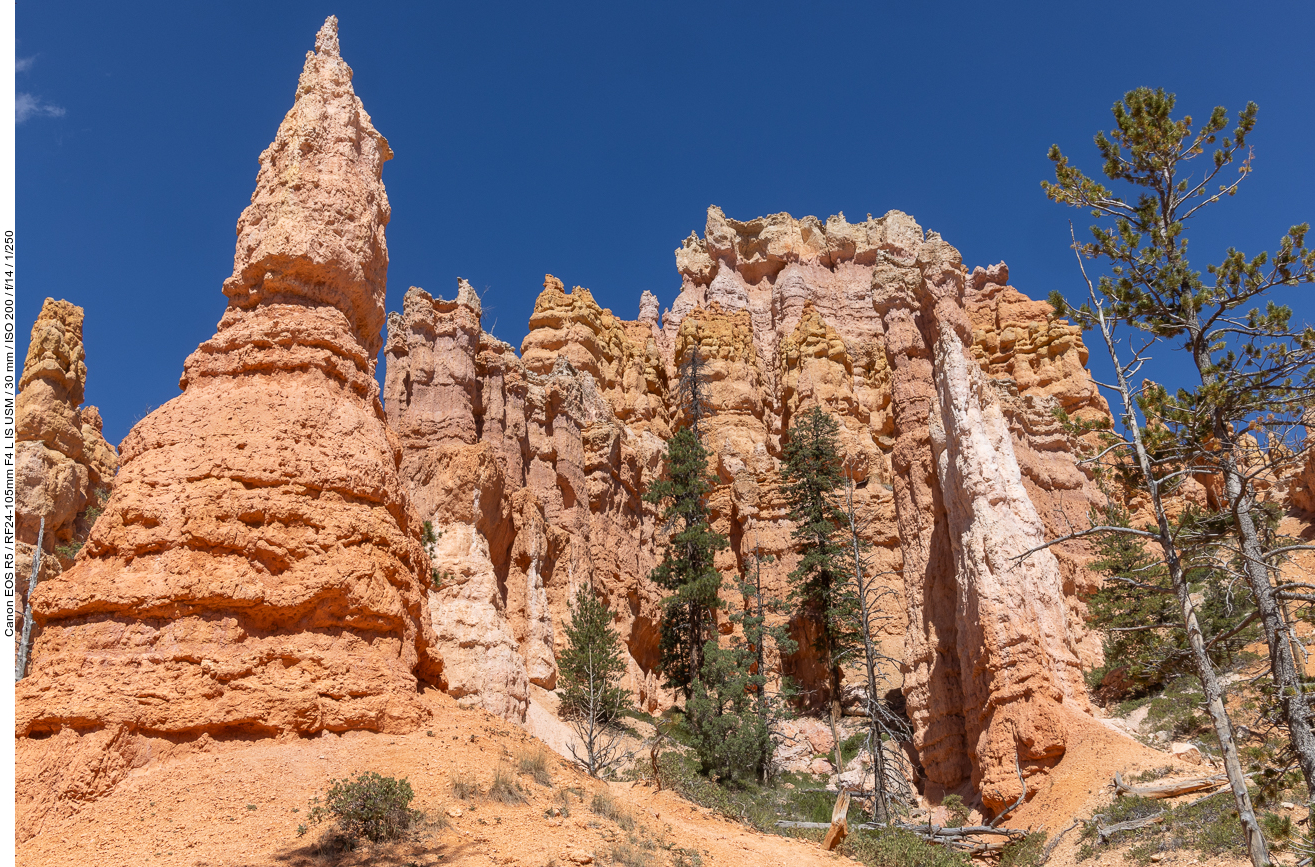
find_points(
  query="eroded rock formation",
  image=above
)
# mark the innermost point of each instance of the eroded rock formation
(529, 470)
(258, 569)
(945, 384)
(64, 468)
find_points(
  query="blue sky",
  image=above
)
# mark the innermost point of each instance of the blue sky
(587, 140)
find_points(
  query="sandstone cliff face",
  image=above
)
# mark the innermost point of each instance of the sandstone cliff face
(882, 326)
(64, 468)
(530, 479)
(944, 382)
(258, 569)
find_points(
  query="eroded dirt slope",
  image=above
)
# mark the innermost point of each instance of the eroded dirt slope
(238, 804)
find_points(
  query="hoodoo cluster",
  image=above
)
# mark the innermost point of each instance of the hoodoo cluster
(263, 569)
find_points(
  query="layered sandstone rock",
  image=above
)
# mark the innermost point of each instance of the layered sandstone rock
(1301, 486)
(1018, 657)
(258, 570)
(880, 326)
(945, 383)
(530, 479)
(64, 468)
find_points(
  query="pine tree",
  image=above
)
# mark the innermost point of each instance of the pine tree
(812, 476)
(687, 569)
(1135, 605)
(689, 612)
(756, 635)
(730, 738)
(590, 669)
(1251, 364)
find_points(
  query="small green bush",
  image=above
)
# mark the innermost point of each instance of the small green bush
(370, 806)
(900, 849)
(464, 788)
(852, 746)
(1025, 852)
(1154, 774)
(1277, 828)
(606, 806)
(629, 855)
(686, 858)
(957, 812)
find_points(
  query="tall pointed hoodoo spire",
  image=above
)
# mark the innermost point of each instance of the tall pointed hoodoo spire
(258, 570)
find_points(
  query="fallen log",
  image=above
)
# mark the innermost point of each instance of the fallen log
(921, 830)
(1105, 832)
(1050, 847)
(1168, 790)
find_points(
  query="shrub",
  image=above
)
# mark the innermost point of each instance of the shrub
(464, 788)
(629, 855)
(900, 849)
(534, 763)
(686, 858)
(1025, 852)
(957, 813)
(504, 788)
(1277, 828)
(606, 806)
(370, 806)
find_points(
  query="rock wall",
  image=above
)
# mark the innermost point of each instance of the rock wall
(945, 384)
(64, 468)
(258, 570)
(1301, 486)
(530, 471)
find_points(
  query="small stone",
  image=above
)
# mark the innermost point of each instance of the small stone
(819, 766)
(1186, 752)
(454, 812)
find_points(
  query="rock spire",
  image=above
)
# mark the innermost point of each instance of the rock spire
(258, 570)
(64, 467)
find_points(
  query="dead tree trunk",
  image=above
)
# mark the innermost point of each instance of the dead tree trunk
(889, 783)
(1163, 536)
(25, 643)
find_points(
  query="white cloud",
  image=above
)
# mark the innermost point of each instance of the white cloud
(23, 64)
(27, 106)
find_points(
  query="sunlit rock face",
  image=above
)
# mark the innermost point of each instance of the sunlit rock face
(944, 382)
(258, 570)
(530, 471)
(64, 468)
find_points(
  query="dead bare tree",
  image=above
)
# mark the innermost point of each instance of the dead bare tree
(602, 749)
(891, 789)
(25, 643)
